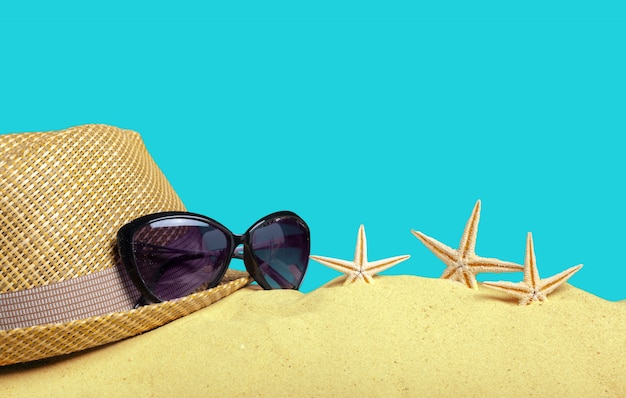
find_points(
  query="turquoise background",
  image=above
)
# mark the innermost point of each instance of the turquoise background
(394, 114)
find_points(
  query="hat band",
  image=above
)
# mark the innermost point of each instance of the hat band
(95, 294)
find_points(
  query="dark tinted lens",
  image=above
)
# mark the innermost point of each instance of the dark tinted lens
(176, 257)
(281, 251)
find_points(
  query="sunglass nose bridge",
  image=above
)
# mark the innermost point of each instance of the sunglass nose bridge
(238, 252)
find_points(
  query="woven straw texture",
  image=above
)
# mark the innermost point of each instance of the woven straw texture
(63, 197)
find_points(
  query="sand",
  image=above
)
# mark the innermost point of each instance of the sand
(402, 336)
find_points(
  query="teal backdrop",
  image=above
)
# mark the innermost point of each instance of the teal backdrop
(397, 115)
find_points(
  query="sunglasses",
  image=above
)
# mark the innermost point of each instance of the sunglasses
(173, 254)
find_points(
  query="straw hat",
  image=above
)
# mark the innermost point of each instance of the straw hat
(63, 196)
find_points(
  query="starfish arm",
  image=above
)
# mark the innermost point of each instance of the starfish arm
(445, 253)
(450, 273)
(548, 285)
(360, 253)
(467, 277)
(519, 290)
(468, 239)
(351, 278)
(343, 266)
(529, 298)
(485, 264)
(531, 274)
(378, 266)
(460, 274)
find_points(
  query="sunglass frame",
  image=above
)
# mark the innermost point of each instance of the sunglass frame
(126, 234)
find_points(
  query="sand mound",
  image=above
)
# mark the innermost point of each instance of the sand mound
(402, 336)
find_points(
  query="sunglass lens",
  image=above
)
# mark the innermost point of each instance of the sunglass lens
(281, 251)
(178, 256)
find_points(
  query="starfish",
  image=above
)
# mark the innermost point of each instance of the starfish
(463, 264)
(533, 288)
(360, 268)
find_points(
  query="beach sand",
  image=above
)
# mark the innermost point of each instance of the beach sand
(402, 336)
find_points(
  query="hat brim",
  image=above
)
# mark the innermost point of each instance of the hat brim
(44, 341)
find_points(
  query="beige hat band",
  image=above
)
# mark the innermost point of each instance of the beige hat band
(95, 294)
